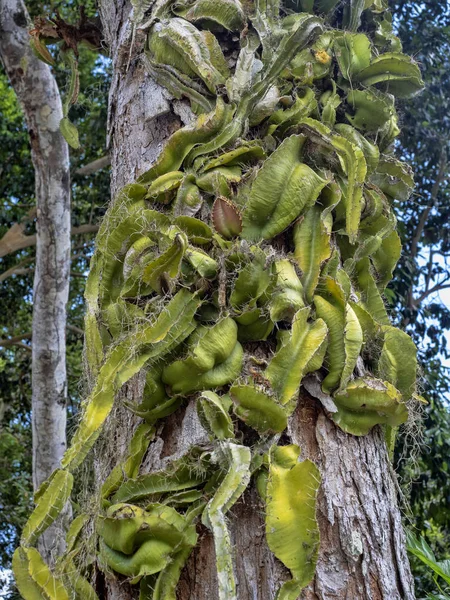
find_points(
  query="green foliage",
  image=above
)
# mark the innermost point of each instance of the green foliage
(137, 542)
(184, 474)
(258, 410)
(236, 459)
(208, 350)
(416, 294)
(441, 569)
(70, 133)
(130, 468)
(291, 528)
(213, 414)
(366, 402)
(345, 334)
(281, 191)
(167, 294)
(50, 500)
(297, 356)
(34, 579)
(312, 246)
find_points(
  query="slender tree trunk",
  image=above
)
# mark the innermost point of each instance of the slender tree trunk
(362, 552)
(37, 91)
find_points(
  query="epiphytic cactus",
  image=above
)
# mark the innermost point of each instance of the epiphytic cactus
(291, 139)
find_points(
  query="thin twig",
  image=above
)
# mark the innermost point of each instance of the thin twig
(16, 341)
(19, 268)
(437, 288)
(75, 329)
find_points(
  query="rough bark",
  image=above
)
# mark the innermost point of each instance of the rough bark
(38, 94)
(362, 554)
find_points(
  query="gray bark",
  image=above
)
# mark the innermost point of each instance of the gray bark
(362, 552)
(38, 94)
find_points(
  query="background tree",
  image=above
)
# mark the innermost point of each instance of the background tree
(39, 96)
(419, 289)
(89, 195)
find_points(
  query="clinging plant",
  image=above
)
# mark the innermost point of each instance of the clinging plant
(269, 219)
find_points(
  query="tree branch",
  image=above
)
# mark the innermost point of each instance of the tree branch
(16, 268)
(94, 166)
(433, 197)
(441, 176)
(28, 270)
(75, 329)
(19, 268)
(15, 235)
(18, 339)
(15, 240)
(429, 270)
(437, 288)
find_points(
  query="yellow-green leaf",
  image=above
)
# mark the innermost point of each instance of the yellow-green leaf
(395, 73)
(398, 362)
(282, 190)
(345, 334)
(49, 504)
(70, 133)
(368, 402)
(34, 579)
(213, 413)
(257, 409)
(291, 361)
(312, 246)
(152, 341)
(291, 528)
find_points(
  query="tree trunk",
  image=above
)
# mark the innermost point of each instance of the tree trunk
(362, 550)
(39, 96)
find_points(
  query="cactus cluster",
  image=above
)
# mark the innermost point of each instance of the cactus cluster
(268, 219)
